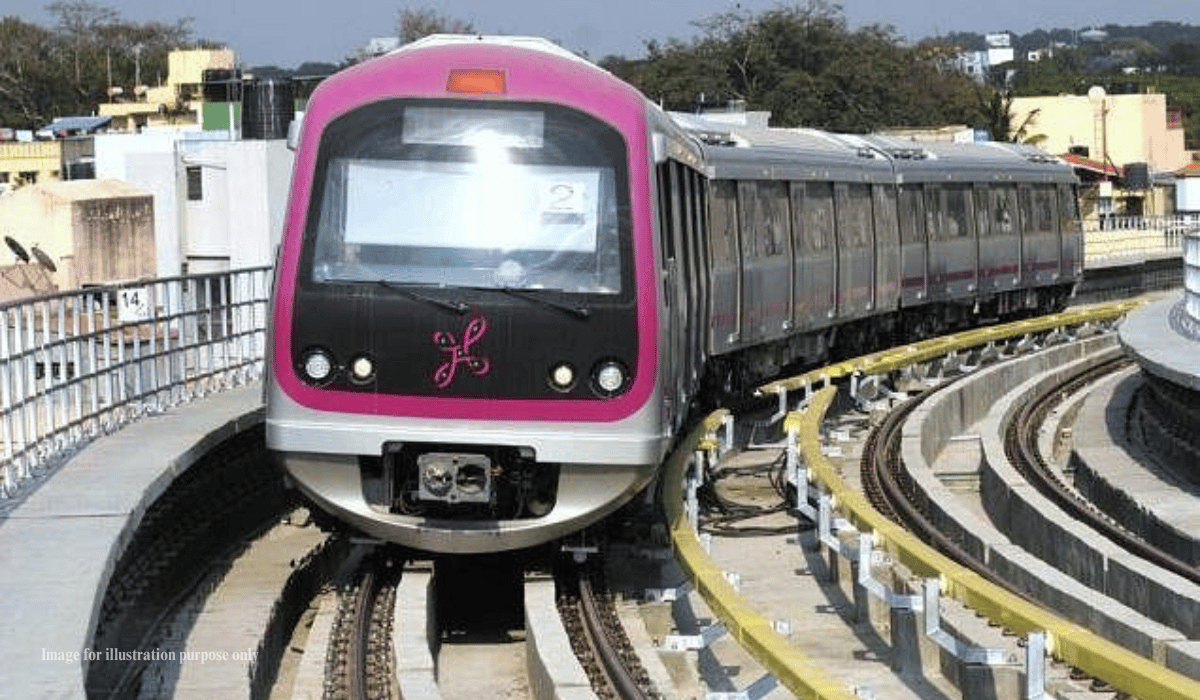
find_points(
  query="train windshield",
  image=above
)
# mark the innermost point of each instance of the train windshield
(472, 195)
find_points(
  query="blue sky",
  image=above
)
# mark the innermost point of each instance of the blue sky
(287, 33)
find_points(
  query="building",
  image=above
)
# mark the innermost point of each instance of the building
(1187, 189)
(64, 153)
(978, 64)
(1126, 147)
(29, 162)
(180, 100)
(83, 232)
(218, 204)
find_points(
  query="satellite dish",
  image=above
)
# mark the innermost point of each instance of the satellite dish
(44, 259)
(17, 249)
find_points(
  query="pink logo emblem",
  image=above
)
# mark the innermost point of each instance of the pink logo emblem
(460, 353)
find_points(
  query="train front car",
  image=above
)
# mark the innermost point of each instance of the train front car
(463, 352)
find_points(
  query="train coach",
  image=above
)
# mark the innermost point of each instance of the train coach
(505, 275)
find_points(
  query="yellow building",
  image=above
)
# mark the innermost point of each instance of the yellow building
(178, 101)
(26, 163)
(1118, 129)
(1121, 140)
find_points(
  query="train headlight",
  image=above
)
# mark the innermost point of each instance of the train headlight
(562, 376)
(317, 365)
(609, 377)
(362, 369)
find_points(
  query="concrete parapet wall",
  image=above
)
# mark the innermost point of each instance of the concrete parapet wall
(1096, 583)
(1064, 596)
(1093, 473)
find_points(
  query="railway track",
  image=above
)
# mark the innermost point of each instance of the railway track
(360, 653)
(889, 489)
(359, 660)
(598, 637)
(478, 652)
(188, 552)
(1021, 446)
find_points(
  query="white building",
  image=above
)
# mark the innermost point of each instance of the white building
(218, 204)
(977, 64)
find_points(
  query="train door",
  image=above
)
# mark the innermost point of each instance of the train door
(681, 199)
(684, 182)
(855, 241)
(815, 262)
(1041, 247)
(999, 242)
(674, 317)
(1072, 232)
(887, 248)
(725, 282)
(953, 250)
(766, 273)
(698, 257)
(914, 246)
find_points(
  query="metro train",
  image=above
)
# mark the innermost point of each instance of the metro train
(505, 275)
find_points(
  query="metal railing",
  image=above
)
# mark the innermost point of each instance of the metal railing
(1191, 280)
(80, 364)
(1117, 237)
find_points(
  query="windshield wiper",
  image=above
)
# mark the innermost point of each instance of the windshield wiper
(457, 307)
(536, 296)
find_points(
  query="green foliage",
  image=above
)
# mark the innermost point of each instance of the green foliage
(807, 68)
(413, 24)
(68, 70)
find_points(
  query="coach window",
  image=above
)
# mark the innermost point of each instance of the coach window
(854, 215)
(912, 214)
(813, 206)
(723, 221)
(885, 212)
(764, 213)
(1068, 208)
(669, 207)
(1003, 209)
(1041, 214)
(957, 219)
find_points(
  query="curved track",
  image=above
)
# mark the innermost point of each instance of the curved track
(1021, 446)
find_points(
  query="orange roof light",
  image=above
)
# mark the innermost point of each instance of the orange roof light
(485, 80)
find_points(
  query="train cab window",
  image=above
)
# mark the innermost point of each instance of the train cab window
(854, 215)
(456, 193)
(812, 207)
(723, 221)
(764, 209)
(911, 205)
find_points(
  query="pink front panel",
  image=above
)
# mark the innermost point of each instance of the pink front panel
(532, 76)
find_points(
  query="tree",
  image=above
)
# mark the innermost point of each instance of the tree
(47, 73)
(804, 66)
(34, 77)
(80, 21)
(996, 108)
(413, 24)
